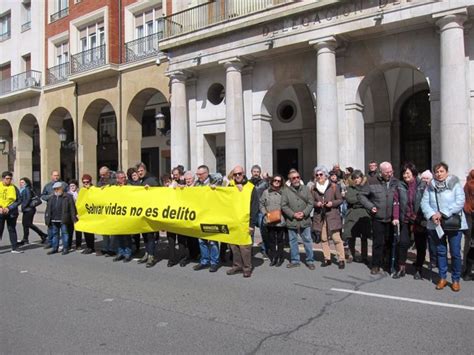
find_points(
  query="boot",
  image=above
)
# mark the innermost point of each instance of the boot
(151, 261)
(417, 275)
(143, 259)
(467, 274)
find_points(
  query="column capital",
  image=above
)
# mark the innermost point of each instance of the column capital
(179, 75)
(329, 42)
(234, 63)
(450, 19)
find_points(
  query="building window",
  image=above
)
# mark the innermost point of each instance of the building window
(146, 23)
(5, 27)
(107, 128)
(286, 111)
(216, 93)
(62, 10)
(62, 53)
(26, 14)
(92, 36)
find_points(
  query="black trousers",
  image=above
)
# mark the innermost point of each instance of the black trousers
(421, 241)
(275, 242)
(361, 229)
(11, 226)
(193, 247)
(172, 239)
(382, 243)
(27, 222)
(404, 243)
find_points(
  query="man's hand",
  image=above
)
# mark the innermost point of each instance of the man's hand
(329, 204)
(147, 186)
(298, 215)
(374, 210)
(251, 229)
(6, 210)
(436, 218)
(396, 222)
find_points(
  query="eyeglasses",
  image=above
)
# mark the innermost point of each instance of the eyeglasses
(295, 178)
(277, 180)
(238, 174)
(85, 182)
(319, 174)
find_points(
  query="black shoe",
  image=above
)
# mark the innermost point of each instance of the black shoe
(183, 262)
(326, 263)
(151, 261)
(65, 252)
(51, 252)
(280, 262)
(87, 251)
(127, 259)
(417, 275)
(274, 262)
(341, 265)
(200, 267)
(213, 268)
(43, 237)
(398, 274)
(118, 258)
(171, 263)
(24, 242)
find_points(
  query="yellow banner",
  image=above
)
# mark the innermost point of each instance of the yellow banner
(220, 214)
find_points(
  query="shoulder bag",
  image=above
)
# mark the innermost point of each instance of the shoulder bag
(35, 200)
(451, 223)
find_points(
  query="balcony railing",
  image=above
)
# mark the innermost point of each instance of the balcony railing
(142, 47)
(26, 26)
(4, 36)
(213, 12)
(27, 79)
(57, 74)
(60, 14)
(87, 60)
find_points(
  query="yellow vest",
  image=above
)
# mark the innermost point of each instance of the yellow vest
(7, 195)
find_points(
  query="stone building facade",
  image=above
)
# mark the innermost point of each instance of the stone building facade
(297, 83)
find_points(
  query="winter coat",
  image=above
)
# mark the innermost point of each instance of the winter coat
(149, 180)
(355, 209)
(260, 185)
(331, 214)
(271, 201)
(379, 195)
(451, 201)
(48, 190)
(297, 200)
(401, 200)
(25, 196)
(69, 212)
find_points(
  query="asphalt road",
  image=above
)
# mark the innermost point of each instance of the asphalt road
(88, 304)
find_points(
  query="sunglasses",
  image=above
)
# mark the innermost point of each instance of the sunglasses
(86, 182)
(277, 180)
(238, 174)
(319, 174)
(295, 178)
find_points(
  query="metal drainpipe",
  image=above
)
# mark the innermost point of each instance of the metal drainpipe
(119, 147)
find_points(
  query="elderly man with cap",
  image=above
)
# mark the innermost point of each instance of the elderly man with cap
(60, 213)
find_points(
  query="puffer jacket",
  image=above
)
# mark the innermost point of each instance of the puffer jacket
(451, 201)
(297, 200)
(380, 195)
(331, 214)
(271, 201)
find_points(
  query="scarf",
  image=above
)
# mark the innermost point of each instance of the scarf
(440, 186)
(322, 188)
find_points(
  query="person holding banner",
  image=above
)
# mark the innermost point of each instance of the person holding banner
(242, 254)
(297, 204)
(124, 242)
(108, 242)
(209, 248)
(150, 239)
(89, 237)
(174, 238)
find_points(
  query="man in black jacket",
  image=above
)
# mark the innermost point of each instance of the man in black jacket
(60, 213)
(242, 254)
(377, 197)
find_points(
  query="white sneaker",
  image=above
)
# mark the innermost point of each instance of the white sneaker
(16, 251)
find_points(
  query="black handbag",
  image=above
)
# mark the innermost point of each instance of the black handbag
(35, 200)
(451, 223)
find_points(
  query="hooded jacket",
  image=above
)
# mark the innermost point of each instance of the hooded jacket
(450, 200)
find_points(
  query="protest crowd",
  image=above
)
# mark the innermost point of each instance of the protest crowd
(428, 212)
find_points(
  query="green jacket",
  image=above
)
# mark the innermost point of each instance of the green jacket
(355, 210)
(297, 200)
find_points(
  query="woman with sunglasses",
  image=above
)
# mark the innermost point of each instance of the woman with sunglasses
(271, 201)
(326, 218)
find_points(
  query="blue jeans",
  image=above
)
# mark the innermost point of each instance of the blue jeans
(308, 245)
(209, 252)
(454, 240)
(108, 244)
(55, 229)
(124, 243)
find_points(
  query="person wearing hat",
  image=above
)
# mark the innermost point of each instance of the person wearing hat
(9, 201)
(60, 213)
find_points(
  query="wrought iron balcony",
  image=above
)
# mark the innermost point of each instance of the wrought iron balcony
(57, 74)
(142, 47)
(214, 12)
(58, 15)
(25, 80)
(87, 60)
(26, 26)
(4, 36)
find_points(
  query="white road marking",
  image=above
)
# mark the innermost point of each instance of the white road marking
(23, 271)
(405, 299)
(108, 300)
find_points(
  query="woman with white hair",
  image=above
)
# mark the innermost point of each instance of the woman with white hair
(327, 219)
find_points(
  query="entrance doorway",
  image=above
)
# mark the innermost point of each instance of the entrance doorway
(287, 159)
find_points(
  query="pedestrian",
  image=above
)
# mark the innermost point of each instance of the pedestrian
(60, 213)
(28, 208)
(124, 242)
(134, 180)
(326, 217)
(73, 190)
(9, 202)
(297, 205)
(357, 220)
(407, 215)
(88, 237)
(372, 172)
(108, 242)
(426, 176)
(442, 204)
(174, 238)
(209, 248)
(151, 240)
(242, 254)
(269, 203)
(261, 184)
(468, 233)
(377, 197)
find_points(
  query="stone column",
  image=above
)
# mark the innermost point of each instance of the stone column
(453, 95)
(327, 141)
(179, 121)
(355, 136)
(234, 109)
